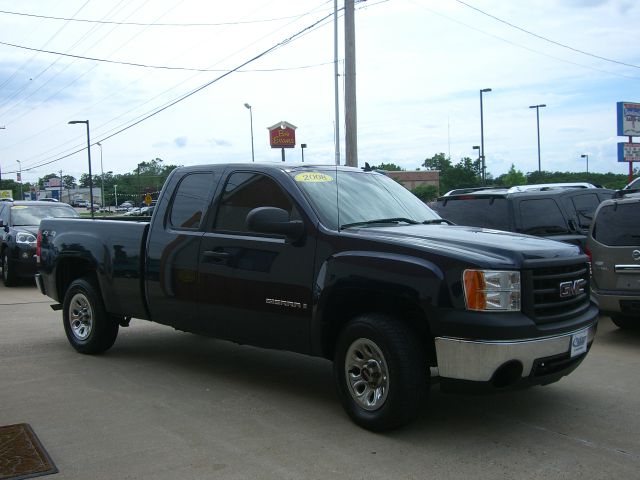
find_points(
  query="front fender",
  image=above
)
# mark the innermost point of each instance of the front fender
(362, 280)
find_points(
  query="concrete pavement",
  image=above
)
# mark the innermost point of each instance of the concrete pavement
(162, 404)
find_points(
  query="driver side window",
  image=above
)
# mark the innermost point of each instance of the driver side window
(245, 191)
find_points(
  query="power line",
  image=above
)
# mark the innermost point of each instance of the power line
(471, 27)
(528, 32)
(104, 60)
(170, 89)
(139, 24)
(181, 98)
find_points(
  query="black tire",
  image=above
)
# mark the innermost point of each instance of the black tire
(89, 328)
(626, 322)
(388, 373)
(9, 277)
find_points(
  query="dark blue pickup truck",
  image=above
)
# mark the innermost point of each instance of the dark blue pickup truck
(329, 261)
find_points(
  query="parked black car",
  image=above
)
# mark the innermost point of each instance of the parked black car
(19, 222)
(562, 214)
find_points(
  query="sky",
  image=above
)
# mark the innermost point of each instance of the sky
(420, 65)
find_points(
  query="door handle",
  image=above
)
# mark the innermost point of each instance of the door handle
(216, 254)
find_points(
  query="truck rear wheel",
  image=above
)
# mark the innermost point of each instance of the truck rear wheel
(9, 277)
(89, 328)
(381, 372)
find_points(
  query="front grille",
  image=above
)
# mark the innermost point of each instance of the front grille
(542, 298)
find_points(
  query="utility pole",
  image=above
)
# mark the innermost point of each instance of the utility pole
(336, 78)
(351, 116)
(61, 185)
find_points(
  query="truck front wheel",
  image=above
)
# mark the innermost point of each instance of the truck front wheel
(89, 328)
(381, 372)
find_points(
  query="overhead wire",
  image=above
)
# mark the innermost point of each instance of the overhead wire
(317, 8)
(546, 39)
(187, 95)
(518, 45)
(78, 77)
(140, 24)
(167, 90)
(36, 54)
(86, 35)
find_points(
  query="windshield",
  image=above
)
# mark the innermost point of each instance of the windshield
(362, 197)
(22, 215)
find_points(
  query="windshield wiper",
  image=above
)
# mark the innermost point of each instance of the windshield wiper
(380, 220)
(437, 221)
(545, 229)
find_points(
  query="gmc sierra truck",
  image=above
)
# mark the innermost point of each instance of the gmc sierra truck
(335, 262)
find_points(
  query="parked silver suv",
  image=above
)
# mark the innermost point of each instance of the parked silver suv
(614, 245)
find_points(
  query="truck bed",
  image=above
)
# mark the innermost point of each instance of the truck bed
(116, 246)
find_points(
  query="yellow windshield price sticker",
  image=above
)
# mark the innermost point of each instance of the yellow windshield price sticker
(19, 207)
(313, 177)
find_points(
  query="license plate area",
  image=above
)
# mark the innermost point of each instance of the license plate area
(579, 342)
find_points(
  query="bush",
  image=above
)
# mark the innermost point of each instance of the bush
(426, 193)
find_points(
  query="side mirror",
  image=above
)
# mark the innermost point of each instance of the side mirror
(274, 220)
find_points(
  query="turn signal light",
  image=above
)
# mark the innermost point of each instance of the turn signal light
(492, 290)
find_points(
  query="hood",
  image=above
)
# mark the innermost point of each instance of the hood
(472, 243)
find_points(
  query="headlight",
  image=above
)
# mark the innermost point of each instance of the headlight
(25, 238)
(492, 290)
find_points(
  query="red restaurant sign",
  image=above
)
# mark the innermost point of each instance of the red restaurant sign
(282, 135)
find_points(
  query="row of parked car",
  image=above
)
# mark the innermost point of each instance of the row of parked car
(604, 223)
(19, 222)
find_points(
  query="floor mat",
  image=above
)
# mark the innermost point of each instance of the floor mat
(22, 455)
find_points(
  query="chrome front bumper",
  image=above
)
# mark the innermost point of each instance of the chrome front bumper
(478, 360)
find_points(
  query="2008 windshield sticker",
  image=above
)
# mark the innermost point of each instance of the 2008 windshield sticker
(313, 177)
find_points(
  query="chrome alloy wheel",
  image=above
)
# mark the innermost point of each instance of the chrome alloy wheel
(366, 374)
(80, 316)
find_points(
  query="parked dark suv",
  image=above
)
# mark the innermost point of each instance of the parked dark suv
(562, 214)
(614, 246)
(19, 222)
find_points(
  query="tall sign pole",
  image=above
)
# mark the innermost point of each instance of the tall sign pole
(628, 115)
(351, 115)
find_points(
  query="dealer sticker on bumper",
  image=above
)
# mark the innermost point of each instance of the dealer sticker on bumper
(579, 342)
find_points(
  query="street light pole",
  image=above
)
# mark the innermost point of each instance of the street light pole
(253, 158)
(101, 175)
(586, 155)
(482, 155)
(115, 195)
(538, 107)
(477, 147)
(86, 122)
(21, 194)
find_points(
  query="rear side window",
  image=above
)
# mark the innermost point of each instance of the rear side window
(585, 206)
(190, 200)
(541, 216)
(618, 225)
(475, 212)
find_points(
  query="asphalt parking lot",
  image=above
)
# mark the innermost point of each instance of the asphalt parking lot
(163, 404)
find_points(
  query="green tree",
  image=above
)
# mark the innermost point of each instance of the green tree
(389, 167)
(512, 177)
(426, 193)
(464, 174)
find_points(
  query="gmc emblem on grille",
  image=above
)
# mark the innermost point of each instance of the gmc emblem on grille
(572, 288)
